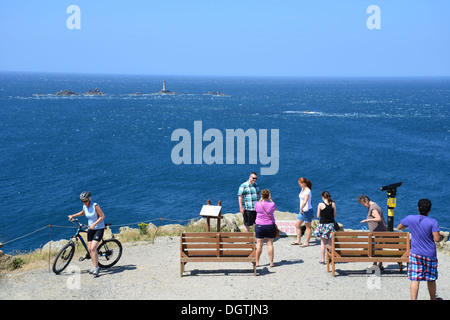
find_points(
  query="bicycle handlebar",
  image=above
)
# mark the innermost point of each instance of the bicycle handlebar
(82, 226)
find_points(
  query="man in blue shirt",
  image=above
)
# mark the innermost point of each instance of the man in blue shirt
(248, 196)
(423, 260)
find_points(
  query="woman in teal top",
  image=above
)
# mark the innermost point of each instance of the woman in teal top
(95, 218)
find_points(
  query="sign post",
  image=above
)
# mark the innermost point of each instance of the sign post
(214, 212)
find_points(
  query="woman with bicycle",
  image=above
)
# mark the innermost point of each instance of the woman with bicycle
(95, 218)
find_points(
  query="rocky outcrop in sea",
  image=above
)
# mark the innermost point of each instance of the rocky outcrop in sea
(215, 93)
(94, 92)
(69, 93)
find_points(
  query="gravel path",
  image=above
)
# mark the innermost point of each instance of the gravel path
(151, 271)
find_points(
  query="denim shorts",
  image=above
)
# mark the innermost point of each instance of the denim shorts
(306, 216)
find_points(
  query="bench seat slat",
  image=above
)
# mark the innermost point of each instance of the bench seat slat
(200, 252)
(216, 259)
(370, 259)
(198, 246)
(350, 240)
(221, 253)
(389, 240)
(386, 253)
(389, 246)
(355, 245)
(222, 234)
(343, 253)
(237, 240)
(221, 246)
(199, 240)
(237, 245)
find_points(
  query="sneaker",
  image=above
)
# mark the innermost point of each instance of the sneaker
(95, 271)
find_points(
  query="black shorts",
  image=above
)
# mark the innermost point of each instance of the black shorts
(249, 217)
(96, 235)
(265, 231)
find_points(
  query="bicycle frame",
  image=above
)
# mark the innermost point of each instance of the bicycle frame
(77, 236)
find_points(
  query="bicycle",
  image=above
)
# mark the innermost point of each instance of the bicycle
(109, 251)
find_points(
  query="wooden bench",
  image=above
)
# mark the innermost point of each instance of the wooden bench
(217, 247)
(353, 246)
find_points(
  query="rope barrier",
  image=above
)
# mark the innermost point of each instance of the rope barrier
(117, 225)
(26, 235)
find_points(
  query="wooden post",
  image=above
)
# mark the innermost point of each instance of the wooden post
(208, 219)
(218, 218)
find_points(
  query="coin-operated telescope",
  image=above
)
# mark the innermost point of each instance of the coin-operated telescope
(391, 190)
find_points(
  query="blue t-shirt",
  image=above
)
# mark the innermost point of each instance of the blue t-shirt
(422, 228)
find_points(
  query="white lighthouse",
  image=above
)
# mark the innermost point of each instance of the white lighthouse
(164, 90)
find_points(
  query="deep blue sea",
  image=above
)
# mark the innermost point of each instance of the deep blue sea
(349, 136)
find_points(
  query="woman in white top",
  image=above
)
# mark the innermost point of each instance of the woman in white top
(306, 212)
(95, 218)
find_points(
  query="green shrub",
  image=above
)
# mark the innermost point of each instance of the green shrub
(143, 228)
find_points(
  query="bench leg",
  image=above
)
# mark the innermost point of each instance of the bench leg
(182, 268)
(254, 268)
(328, 263)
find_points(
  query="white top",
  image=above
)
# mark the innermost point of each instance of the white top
(92, 216)
(302, 195)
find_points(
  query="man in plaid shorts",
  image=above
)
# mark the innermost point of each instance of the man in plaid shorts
(248, 196)
(423, 260)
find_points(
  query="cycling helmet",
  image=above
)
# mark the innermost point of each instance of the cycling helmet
(85, 195)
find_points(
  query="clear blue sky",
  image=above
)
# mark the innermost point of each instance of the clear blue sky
(227, 38)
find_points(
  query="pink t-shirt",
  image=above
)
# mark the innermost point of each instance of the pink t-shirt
(261, 216)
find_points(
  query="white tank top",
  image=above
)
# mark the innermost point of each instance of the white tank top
(92, 216)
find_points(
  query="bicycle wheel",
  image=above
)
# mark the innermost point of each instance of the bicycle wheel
(109, 252)
(64, 257)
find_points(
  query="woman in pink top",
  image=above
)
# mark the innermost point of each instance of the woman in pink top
(265, 225)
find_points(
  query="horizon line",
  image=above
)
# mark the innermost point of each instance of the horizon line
(219, 75)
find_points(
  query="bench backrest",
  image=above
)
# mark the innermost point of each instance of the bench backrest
(217, 244)
(371, 244)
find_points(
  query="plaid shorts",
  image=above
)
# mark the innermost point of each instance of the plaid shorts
(422, 268)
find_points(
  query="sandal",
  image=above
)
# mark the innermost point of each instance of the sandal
(296, 244)
(304, 245)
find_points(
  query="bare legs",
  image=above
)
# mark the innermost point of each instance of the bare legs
(415, 289)
(323, 250)
(92, 246)
(270, 251)
(298, 230)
